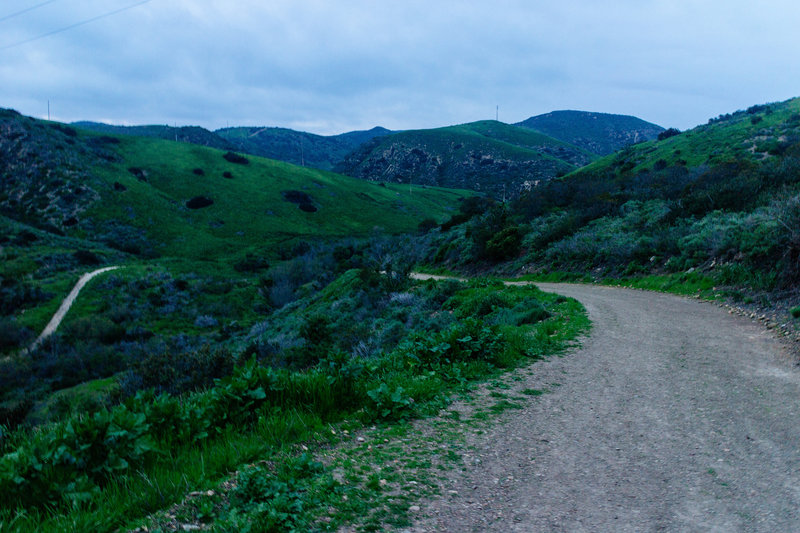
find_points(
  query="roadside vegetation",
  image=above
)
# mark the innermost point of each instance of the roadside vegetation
(369, 348)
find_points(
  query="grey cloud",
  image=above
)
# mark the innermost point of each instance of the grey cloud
(336, 66)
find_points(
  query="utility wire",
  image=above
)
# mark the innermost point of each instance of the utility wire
(12, 15)
(71, 26)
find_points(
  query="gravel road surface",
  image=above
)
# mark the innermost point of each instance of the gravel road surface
(672, 416)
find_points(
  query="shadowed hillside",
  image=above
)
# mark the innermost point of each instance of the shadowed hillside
(187, 134)
(298, 147)
(599, 133)
(487, 156)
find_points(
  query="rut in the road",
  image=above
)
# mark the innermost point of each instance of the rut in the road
(673, 416)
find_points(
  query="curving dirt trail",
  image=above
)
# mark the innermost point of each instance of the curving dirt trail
(67, 303)
(672, 416)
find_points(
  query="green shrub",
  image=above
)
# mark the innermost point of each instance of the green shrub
(175, 373)
(233, 157)
(268, 499)
(70, 462)
(505, 244)
(468, 340)
(16, 295)
(387, 404)
(522, 313)
(97, 328)
(427, 225)
(477, 303)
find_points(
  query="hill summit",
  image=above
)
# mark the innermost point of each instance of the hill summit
(600, 133)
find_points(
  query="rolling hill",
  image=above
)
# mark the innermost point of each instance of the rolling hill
(298, 147)
(486, 156)
(156, 197)
(599, 133)
(720, 201)
(72, 200)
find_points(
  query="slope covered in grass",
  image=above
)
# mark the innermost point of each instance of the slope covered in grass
(153, 197)
(201, 233)
(261, 203)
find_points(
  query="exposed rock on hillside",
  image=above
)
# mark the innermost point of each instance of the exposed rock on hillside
(489, 156)
(600, 133)
(44, 176)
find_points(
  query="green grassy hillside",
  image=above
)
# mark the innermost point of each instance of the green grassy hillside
(73, 200)
(252, 208)
(758, 135)
(136, 194)
(487, 156)
(599, 133)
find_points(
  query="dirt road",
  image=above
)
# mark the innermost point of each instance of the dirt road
(67, 303)
(673, 416)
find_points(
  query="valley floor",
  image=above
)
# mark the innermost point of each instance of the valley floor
(673, 416)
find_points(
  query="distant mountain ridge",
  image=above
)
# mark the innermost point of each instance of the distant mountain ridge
(190, 134)
(488, 156)
(297, 147)
(600, 133)
(291, 146)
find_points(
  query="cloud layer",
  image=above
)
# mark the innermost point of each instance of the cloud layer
(330, 67)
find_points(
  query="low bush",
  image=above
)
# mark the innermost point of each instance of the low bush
(16, 295)
(176, 373)
(389, 404)
(238, 159)
(274, 499)
(199, 202)
(667, 133)
(13, 335)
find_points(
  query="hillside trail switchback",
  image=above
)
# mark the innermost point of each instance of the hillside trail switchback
(673, 415)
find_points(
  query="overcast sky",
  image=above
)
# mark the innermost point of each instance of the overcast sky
(335, 66)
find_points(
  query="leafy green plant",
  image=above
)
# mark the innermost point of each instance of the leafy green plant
(273, 499)
(387, 404)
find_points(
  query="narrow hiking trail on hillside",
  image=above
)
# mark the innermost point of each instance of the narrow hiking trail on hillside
(52, 326)
(672, 416)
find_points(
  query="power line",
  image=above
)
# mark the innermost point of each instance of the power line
(71, 26)
(22, 12)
